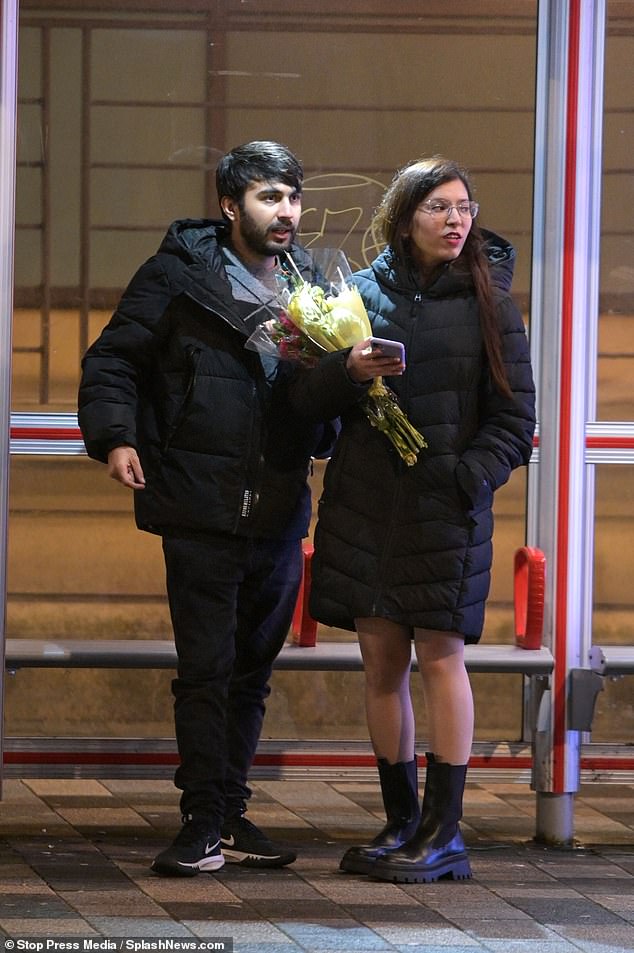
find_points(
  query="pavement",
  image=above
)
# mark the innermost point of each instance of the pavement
(75, 857)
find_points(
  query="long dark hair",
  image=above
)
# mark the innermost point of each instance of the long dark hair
(392, 221)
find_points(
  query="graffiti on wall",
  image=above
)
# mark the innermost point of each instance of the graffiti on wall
(337, 213)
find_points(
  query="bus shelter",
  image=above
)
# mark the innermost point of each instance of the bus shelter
(97, 150)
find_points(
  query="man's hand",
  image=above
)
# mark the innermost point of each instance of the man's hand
(364, 363)
(124, 465)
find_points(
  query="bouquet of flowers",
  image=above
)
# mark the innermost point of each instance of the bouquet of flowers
(312, 322)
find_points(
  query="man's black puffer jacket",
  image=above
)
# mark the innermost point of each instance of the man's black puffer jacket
(413, 544)
(224, 437)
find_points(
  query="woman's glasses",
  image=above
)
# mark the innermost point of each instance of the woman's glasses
(440, 208)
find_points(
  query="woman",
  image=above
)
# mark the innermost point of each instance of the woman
(402, 552)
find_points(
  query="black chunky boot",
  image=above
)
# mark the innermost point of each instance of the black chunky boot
(399, 787)
(437, 848)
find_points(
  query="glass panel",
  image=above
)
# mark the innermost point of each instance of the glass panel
(616, 326)
(121, 201)
(69, 526)
(169, 131)
(613, 610)
(165, 66)
(139, 104)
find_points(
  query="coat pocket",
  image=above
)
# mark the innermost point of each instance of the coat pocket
(474, 490)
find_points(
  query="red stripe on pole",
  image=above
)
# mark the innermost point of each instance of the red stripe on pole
(277, 759)
(606, 763)
(90, 757)
(45, 433)
(566, 372)
(610, 443)
(606, 442)
(596, 763)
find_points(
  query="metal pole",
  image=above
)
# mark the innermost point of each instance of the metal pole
(8, 126)
(564, 318)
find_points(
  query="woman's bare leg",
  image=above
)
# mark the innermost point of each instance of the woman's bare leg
(447, 692)
(386, 649)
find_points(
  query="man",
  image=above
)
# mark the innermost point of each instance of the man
(216, 443)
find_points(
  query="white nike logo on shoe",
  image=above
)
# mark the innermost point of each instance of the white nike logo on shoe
(210, 847)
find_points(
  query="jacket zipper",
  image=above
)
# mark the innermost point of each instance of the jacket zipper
(418, 297)
(193, 354)
(387, 544)
(417, 300)
(250, 494)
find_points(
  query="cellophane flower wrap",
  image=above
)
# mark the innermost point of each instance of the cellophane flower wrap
(313, 320)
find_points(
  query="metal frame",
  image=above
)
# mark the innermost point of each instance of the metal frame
(565, 281)
(8, 135)
(571, 38)
(287, 759)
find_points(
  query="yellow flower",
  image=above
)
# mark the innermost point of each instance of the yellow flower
(335, 322)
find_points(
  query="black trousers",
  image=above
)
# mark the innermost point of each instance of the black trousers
(231, 602)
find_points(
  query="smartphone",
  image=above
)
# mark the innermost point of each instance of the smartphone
(389, 348)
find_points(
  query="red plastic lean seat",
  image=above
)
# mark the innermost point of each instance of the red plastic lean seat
(529, 582)
(303, 626)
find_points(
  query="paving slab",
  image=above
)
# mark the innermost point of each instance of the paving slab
(75, 860)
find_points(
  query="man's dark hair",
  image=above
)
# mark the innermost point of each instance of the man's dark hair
(258, 161)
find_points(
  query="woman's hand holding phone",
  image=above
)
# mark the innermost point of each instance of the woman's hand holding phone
(388, 348)
(375, 357)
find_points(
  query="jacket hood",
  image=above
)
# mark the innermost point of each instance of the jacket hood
(194, 239)
(196, 242)
(193, 246)
(501, 255)
(452, 278)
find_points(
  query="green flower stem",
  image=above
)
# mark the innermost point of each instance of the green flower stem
(384, 413)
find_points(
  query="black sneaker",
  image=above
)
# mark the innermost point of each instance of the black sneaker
(243, 843)
(196, 848)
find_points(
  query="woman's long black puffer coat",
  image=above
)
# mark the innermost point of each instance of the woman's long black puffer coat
(413, 544)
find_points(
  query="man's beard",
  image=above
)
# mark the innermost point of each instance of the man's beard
(258, 240)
